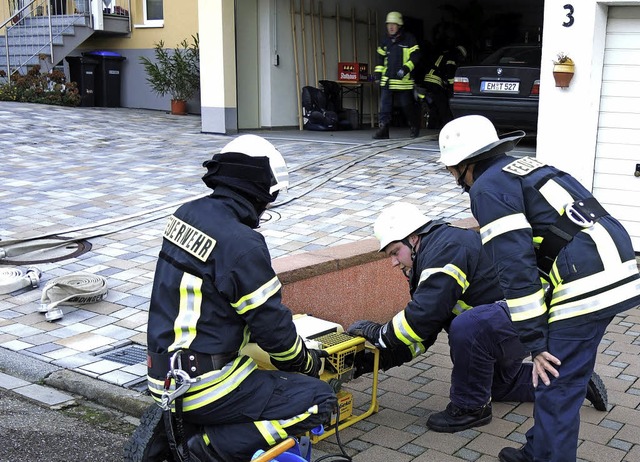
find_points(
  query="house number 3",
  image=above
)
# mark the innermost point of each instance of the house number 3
(570, 18)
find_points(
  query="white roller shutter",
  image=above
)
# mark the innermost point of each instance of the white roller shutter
(618, 145)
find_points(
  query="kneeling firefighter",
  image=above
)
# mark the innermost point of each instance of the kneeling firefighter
(214, 288)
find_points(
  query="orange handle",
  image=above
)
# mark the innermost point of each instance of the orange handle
(276, 450)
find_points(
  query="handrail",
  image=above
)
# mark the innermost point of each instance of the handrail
(24, 22)
(6, 38)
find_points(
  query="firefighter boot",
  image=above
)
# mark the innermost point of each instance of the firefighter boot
(382, 133)
(513, 455)
(454, 419)
(597, 392)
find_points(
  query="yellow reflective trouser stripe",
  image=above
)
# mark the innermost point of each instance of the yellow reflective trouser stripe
(527, 307)
(198, 396)
(258, 297)
(449, 269)
(503, 225)
(290, 353)
(403, 331)
(556, 195)
(594, 282)
(274, 430)
(184, 327)
(597, 302)
(211, 386)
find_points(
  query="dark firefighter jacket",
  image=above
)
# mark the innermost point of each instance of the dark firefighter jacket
(442, 72)
(214, 287)
(451, 273)
(394, 53)
(593, 277)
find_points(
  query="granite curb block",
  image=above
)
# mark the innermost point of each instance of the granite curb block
(130, 402)
(26, 376)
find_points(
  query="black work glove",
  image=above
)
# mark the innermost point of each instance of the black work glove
(367, 329)
(389, 357)
(404, 70)
(314, 362)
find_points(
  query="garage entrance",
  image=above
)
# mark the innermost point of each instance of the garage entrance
(616, 181)
(300, 42)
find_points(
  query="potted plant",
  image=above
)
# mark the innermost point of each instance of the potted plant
(175, 72)
(563, 69)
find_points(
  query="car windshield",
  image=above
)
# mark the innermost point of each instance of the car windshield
(514, 56)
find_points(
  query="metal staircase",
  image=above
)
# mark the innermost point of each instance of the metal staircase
(41, 32)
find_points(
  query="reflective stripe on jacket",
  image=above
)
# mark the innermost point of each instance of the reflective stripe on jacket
(443, 71)
(392, 54)
(213, 288)
(451, 273)
(593, 277)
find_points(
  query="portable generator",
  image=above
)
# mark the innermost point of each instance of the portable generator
(337, 369)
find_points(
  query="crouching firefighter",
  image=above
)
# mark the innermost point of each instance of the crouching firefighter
(214, 289)
(453, 287)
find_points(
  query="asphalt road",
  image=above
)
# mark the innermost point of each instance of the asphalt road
(85, 432)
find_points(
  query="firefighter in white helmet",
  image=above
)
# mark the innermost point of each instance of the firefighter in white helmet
(454, 288)
(213, 288)
(565, 265)
(397, 56)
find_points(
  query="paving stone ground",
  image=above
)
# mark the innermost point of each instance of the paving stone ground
(112, 176)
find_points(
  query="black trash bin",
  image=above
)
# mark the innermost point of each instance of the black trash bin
(82, 71)
(108, 77)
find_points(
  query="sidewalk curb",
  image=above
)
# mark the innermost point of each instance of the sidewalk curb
(130, 402)
(36, 371)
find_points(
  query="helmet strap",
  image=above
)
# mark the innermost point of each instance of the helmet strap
(461, 181)
(406, 242)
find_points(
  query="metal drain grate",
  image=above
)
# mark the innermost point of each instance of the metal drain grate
(129, 355)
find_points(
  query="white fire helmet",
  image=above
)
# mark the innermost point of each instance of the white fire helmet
(256, 146)
(394, 17)
(471, 136)
(398, 221)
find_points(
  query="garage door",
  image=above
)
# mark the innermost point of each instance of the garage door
(618, 145)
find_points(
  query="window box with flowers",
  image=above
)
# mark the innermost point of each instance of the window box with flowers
(563, 70)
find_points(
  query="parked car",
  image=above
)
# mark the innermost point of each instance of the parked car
(504, 87)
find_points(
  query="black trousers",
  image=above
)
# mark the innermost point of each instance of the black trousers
(267, 407)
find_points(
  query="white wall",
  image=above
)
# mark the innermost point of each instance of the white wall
(568, 117)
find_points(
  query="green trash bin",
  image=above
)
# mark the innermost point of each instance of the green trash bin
(108, 77)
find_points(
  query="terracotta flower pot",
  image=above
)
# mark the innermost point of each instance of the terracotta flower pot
(563, 73)
(178, 107)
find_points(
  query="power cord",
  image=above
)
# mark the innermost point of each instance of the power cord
(343, 455)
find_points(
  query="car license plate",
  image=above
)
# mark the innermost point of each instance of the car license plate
(500, 87)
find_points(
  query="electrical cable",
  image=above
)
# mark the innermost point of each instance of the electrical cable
(343, 455)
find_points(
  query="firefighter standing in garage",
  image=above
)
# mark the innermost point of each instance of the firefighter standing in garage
(438, 83)
(397, 57)
(214, 287)
(565, 265)
(453, 287)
